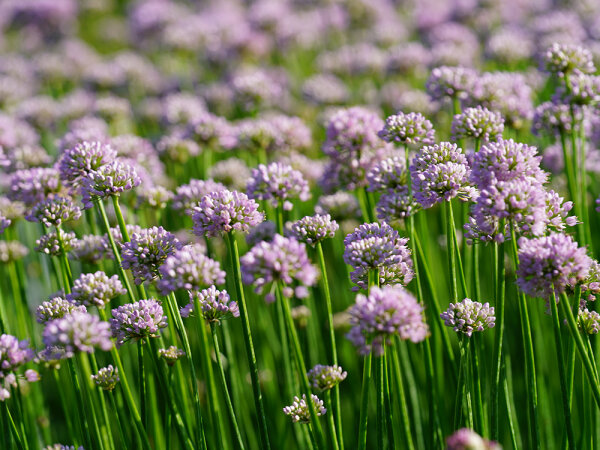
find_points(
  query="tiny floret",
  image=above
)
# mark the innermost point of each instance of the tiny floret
(468, 316)
(299, 411)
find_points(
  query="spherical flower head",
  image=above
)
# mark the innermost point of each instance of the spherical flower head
(215, 304)
(314, 229)
(411, 128)
(439, 173)
(190, 269)
(478, 123)
(140, 320)
(505, 160)
(90, 248)
(155, 197)
(466, 439)
(189, 195)
(56, 243)
(557, 212)
(341, 206)
(451, 82)
(384, 313)
(264, 231)
(389, 173)
(550, 264)
(13, 354)
(212, 131)
(53, 211)
(564, 59)
(11, 210)
(56, 308)
(323, 378)
(62, 447)
(299, 411)
(31, 186)
(110, 179)
(231, 172)
(12, 251)
(147, 251)
(588, 321)
(282, 260)
(106, 378)
(468, 316)
(96, 289)
(225, 211)
(87, 156)
(378, 247)
(553, 118)
(77, 332)
(395, 205)
(171, 354)
(277, 183)
(584, 90)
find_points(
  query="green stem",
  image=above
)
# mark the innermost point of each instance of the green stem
(13, 428)
(402, 400)
(379, 389)
(364, 403)
(85, 429)
(500, 283)
(142, 383)
(477, 399)
(236, 428)
(450, 250)
(235, 262)
(331, 420)
(125, 442)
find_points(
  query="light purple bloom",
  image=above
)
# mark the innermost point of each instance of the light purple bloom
(478, 123)
(171, 354)
(31, 186)
(110, 179)
(215, 304)
(323, 378)
(13, 354)
(56, 308)
(313, 229)
(106, 378)
(51, 245)
(54, 211)
(4, 223)
(395, 205)
(564, 59)
(77, 162)
(341, 206)
(451, 82)
(384, 313)
(277, 183)
(12, 251)
(468, 316)
(389, 173)
(411, 128)
(77, 332)
(91, 248)
(139, 320)
(466, 439)
(189, 195)
(96, 289)
(299, 410)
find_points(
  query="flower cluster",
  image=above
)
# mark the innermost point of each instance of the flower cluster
(56, 308)
(323, 378)
(384, 313)
(110, 179)
(282, 260)
(171, 354)
(54, 211)
(189, 195)
(139, 320)
(389, 173)
(411, 128)
(564, 59)
(77, 332)
(106, 378)
(466, 439)
(214, 304)
(277, 183)
(299, 411)
(314, 229)
(56, 242)
(96, 289)
(14, 354)
(31, 186)
(478, 123)
(77, 162)
(468, 316)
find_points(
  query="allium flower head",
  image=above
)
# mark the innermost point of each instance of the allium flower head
(411, 128)
(190, 269)
(584, 90)
(451, 82)
(564, 59)
(264, 231)
(96, 289)
(552, 117)
(147, 251)
(313, 229)
(12, 251)
(277, 183)
(323, 378)
(56, 308)
(389, 173)
(155, 197)
(51, 245)
(211, 131)
(171, 354)
(31, 186)
(374, 246)
(557, 212)
(110, 179)
(88, 156)
(468, 316)
(107, 378)
(13, 354)
(299, 411)
(225, 211)
(341, 206)
(466, 439)
(231, 172)
(90, 248)
(396, 205)
(282, 260)
(215, 304)
(77, 332)
(439, 173)
(478, 123)
(550, 263)
(54, 211)
(384, 313)
(189, 195)
(12, 210)
(140, 320)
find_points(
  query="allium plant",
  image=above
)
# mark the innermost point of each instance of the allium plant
(56, 243)
(478, 123)
(96, 289)
(466, 439)
(171, 354)
(108, 180)
(299, 410)
(323, 378)
(14, 354)
(135, 321)
(77, 332)
(564, 59)
(215, 304)
(468, 317)
(277, 183)
(189, 195)
(411, 128)
(79, 161)
(54, 211)
(313, 229)
(106, 378)
(56, 308)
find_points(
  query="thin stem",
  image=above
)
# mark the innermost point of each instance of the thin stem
(235, 262)
(13, 428)
(215, 339)
(477, 399)
(449, 222)
(85, 429)
(402, 400)
(113, 405)
(500, 280)
(364, 403)
(379, 389)
(331, 420)
(142, 383)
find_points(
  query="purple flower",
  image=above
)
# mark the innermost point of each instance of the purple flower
(389, 173)
(411, 128)
(96, 289)
(139, 320)
(225, 211)
(12, 210)
(31, 186)
(215, 304)
(299, 410)
(384, 313)
(90, 248)
(588, 321)
(378, 247)
(189, 268)
(478, 123)
(211, 131)
(313, 229)
(557, 212)
(231, 172)
(189, 195)
(341, 206)
(50, 244)
(282, 260)
(395, 205)
(584, 89)
(323, 378)
(439, 173)
(13, 354)
(277, 183)
(468, 316)
(550, 264)
(466, 439)
(264, 231)
(54, 211)
(56, 308)
(78, 162)
(155, 197)
(553, 118)
(110, 179)
(147, 251)
(325, 89)
(564, 59)
(77, 332)
(171, 354)
(451, 82)
(4, 223)
(106, 378)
